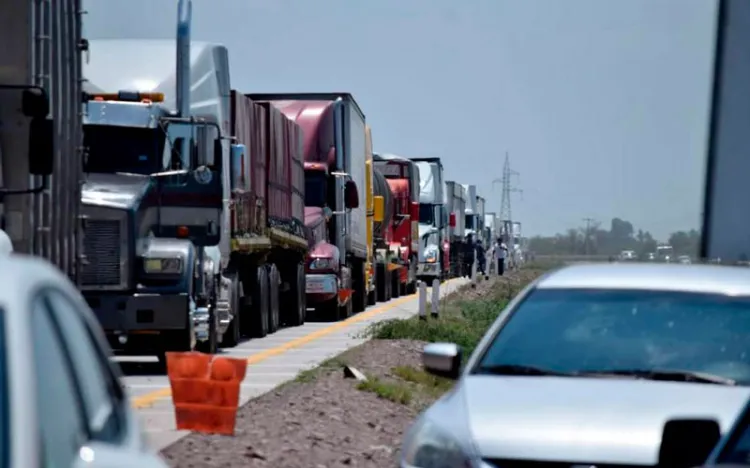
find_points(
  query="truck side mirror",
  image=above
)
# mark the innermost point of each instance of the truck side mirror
(452, 220)
(378, 208)
(41, 146)
(351, 196)
(414, 211)
(205, 144)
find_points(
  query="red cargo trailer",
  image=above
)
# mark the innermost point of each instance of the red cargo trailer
(268, 240)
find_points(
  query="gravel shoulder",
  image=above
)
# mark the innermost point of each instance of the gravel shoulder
(324, 419)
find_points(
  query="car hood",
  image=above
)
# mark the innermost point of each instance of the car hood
(114, 190)
(580, 420)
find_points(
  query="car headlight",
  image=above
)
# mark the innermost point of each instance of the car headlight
(321, 264)
(159, 265)
(431, 255)
(428, 446)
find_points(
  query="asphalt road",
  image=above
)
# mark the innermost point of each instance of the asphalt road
(272, 361)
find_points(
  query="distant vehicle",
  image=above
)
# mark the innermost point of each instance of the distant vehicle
(62, 403)
(664, 253)
(627, 255)
(625, 348)
(734, 447)
(684, 259)
(650, 257)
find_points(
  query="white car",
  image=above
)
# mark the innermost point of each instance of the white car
(61, 400)
(629, 355)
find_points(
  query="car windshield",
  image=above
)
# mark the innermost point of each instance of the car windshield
(579, 331)
(426, 213)
(123, 149)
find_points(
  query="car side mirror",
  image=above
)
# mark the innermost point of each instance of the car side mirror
(351, 196)
(443, 359)
(41, 146)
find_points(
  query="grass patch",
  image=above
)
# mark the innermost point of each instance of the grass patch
(432, 385)
(396, 392)
(310, 375)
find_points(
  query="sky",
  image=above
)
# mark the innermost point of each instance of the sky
(601, 104)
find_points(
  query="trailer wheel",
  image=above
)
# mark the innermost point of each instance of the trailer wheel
(232, 335)
(372, 296)
(260, 304)
(395, 283)
(381, 282)
(295, 301)
(273, 295)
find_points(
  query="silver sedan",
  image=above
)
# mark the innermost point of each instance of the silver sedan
(593, 365)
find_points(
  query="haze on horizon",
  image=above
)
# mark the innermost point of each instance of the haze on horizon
(602, 104)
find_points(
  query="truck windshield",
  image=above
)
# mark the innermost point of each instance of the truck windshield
(426, 214)
(123, 149)
(469, 222)
(316, 188)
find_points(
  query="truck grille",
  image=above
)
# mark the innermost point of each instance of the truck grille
(102, 250)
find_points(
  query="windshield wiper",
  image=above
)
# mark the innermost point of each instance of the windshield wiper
(513, 369)
(668, 375)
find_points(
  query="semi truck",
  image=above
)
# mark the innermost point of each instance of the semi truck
(402, 176)
(383, 236)
(456, 208)
(40, 130)
(370, 210)
(491, 227)
(167, 263)
(433, 220)
(471, 215)
(335, 157)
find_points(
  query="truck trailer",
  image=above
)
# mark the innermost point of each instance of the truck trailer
(471, 214)
(383, 236)
(456, 208)
(335, 162)
(370, 210)
(433, 220)
(402, 176)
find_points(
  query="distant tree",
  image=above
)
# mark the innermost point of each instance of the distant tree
(685, 242)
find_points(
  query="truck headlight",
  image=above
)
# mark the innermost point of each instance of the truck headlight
(431, 255)
(321, 264)
(160, 265)
(427, 446)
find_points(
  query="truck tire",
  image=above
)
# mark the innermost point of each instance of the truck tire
(372, 296)
(381, 282)
(260, 308)
(411, 287)
(345, 311)
(232, 335)
(295, 301)
(359, 298)
(273, 299)
(395, 283)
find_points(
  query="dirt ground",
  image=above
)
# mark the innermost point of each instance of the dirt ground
(324, 420)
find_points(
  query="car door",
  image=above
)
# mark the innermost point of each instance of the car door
(115, 439)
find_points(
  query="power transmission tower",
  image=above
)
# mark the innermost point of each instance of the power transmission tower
(507, 186)
(587, 234)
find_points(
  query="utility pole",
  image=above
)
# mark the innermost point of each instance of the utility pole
(506, 182)
(587, 234)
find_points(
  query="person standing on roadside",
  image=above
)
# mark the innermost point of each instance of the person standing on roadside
(501, 253)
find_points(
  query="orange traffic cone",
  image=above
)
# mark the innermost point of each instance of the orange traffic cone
(205, 392)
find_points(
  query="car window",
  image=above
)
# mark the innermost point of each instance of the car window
(96, 380)
(580, 330)
(65, 432)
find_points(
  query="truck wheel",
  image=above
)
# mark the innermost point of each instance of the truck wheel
(260, 304)
(372, 297)
(381, 283)
(395, 283)
(411, 287)
(273, 295)
(295, 303)
(359, 297)
(232, 335)
(345, 311)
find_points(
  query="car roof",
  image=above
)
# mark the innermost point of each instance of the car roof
(20, 273)
(709, 279)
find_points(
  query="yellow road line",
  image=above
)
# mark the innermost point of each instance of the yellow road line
(144, 401)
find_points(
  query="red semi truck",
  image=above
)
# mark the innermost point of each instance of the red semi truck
(402, 176)
(334, 149)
